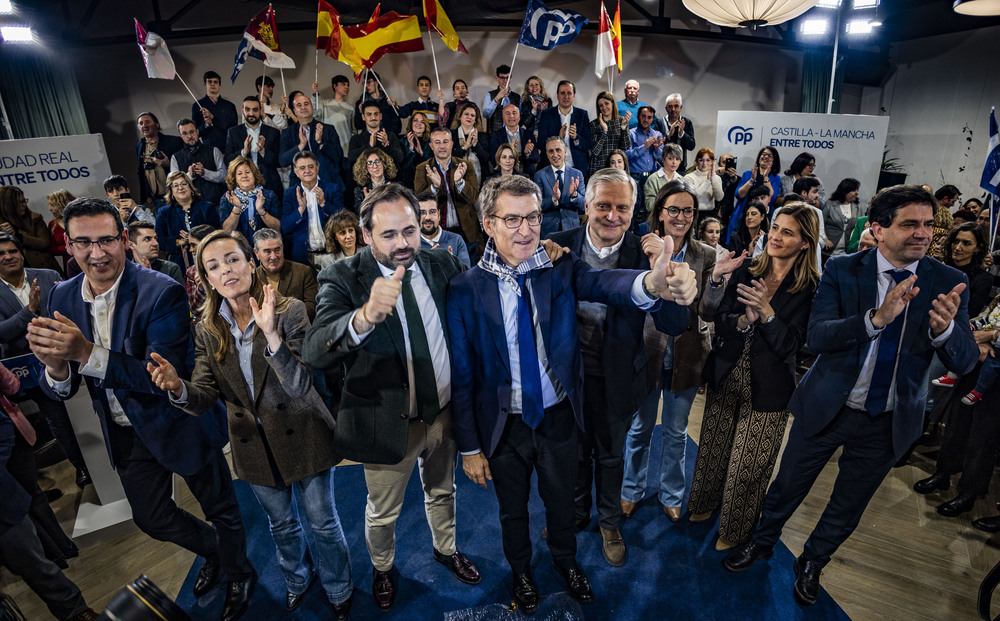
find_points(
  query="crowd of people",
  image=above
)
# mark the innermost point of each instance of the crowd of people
(511, 282)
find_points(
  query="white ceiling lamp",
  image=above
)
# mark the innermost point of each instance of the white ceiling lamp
(980, 8)
(6, 6)
(813, 27)
(16, 34)
(748, 13)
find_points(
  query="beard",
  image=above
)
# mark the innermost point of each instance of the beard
(404, 257)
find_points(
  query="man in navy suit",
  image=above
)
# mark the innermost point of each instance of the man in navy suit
(521, 139)
(563, 190)
(256, 141)
(517, 369)
(570, 124)
(309, 134)
(306, 207)
(877, 319)
(102, 326)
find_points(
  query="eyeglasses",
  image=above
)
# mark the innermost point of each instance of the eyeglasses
(178, 186)
(766, 155)
(687, 212)
(373, 163)
(428, 212)
(85, 245)
(514, 222)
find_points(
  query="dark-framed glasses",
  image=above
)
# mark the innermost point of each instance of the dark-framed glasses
(86, 245)
(514, 222)
(687, 212)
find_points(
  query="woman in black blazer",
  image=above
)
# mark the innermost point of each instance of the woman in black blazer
(469, 140)
(761, 324)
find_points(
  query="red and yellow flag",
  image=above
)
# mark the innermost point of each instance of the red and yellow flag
(334, 41)
(363, 45)
(438, 21)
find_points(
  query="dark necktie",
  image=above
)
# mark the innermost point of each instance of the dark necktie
(885, 359)
(559, 182)
(532, 410)
(423, 365)
(443, 195)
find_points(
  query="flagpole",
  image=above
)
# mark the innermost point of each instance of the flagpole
(430, 38)
(284, 91)
(364, 85)
(511, 74)
(196, 102)
(394, 108)
(316, 94)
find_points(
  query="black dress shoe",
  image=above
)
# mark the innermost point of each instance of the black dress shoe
(384, 588)
(343, 609)
(82, 478)
(460, 565)
(806, 581)
(238, 596)
(525, 593)
(938, 481)
(742, 557)
(208, 575)
(988, 524)
(957, 506)
(294, 600)
(577, 584)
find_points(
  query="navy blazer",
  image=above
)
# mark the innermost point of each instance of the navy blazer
(151, 315)
(170, 222)
(847, 291)
(625, 359)
(331, 154)
(565, 215)
(549, 123)
(268, 164)
(271, 205)
(16, 501)
(528, 162)
(295, 225)
(481, 377)
(14, 318)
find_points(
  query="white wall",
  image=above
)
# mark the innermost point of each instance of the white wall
(710, 75)
(941, 86)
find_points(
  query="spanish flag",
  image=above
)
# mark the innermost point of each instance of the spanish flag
(334, 41)
(437, 20)
(391, 33)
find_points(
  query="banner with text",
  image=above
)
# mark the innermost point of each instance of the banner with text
(844, 145)
(40, 166)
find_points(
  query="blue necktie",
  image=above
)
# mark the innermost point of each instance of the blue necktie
(532, 411)
(885, 359)
(559, 181)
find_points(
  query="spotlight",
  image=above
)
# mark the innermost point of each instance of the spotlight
(815, 26)
(6, 6)
(865, 4)
(16, 34)
(828, 4)
(860, 26)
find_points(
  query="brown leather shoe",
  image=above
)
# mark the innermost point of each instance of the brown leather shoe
(460, 565)
(673, 513)
(613, 547)
(384, 588)
(700, 517)
(628, 508)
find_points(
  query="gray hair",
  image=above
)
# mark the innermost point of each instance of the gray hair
(610, 176)
(554, 138)
(383, 194)
(676, 96)
(515, 185)
(673, 149)
(264, 235)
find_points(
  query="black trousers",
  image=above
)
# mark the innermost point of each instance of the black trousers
(551, 451)
(57, 417)
(970, 439)
(21, 465)
(147, 485)
(866, 459)
(600, 463)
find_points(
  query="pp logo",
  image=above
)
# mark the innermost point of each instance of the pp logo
(740, 135)
(557, 25)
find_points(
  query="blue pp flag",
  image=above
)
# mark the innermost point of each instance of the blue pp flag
(991, 170)
(544, 29)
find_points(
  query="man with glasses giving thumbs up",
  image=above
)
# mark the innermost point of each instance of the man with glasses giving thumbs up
(517, 369)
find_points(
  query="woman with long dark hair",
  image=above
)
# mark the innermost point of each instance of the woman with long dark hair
(764, 176)
(762, 318)
(609, 131)
(804, 165)
(840, 214)
(469, 139)
(343, 238)
(247, 349)
(372, 169)
(29, 227)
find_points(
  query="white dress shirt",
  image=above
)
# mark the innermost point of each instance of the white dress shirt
(859, 394)
(432, 328)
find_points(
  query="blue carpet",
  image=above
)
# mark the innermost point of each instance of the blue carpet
(673, 570)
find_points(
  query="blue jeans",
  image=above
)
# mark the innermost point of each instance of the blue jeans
(676, 407)
(315, 493)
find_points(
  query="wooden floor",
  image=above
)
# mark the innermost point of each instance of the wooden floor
(903, 562)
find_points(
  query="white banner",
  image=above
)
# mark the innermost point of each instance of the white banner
(40, 166)
(844, 145)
